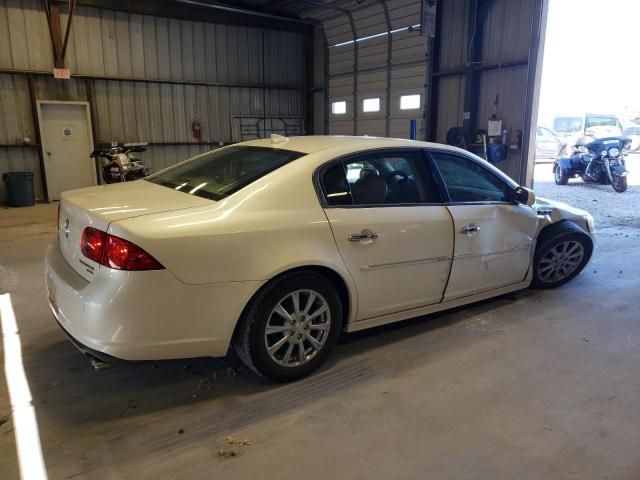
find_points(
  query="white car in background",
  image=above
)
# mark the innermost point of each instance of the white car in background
(574, 130)
(276, 246)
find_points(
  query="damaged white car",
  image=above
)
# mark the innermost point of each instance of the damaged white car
(275, 247)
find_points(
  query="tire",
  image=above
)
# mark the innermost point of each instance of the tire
(619, 183)
(558, 245)
(251, 340)
(559, 178)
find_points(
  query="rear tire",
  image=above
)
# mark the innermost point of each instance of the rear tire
(284, 339)
(562, 252)
(559, 177)
(619, 184)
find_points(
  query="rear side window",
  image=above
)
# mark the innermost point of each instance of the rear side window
(222, 172)
(469, 182)
(380, 178)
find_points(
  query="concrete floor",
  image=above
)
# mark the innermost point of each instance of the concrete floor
(540, 384)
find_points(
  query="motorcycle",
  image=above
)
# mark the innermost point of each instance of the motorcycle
(599, 161)
(119, 164)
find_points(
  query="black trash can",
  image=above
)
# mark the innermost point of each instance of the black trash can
(20, 192)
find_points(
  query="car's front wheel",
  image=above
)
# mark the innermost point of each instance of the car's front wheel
(290, 327)
(562, 252)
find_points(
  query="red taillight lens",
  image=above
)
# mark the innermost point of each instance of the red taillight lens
(93, 243)
(115, 252)
(124, 255)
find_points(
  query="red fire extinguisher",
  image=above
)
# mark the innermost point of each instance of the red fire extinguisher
(195, 126)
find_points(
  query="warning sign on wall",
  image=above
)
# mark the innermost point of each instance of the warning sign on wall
(62, 73)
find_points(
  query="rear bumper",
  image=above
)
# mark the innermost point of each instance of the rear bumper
(142, 315)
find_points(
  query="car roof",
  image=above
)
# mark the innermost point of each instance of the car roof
(314, 143)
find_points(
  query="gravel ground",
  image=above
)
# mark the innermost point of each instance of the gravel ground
(607, 207)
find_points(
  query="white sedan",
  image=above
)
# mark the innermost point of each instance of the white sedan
(276, 246)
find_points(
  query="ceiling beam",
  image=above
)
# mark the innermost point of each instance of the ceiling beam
(276, 5)
(198, 10)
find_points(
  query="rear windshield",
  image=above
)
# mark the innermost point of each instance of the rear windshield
(222, 172)
(567, 124)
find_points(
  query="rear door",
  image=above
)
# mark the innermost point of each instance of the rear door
(493, 234)
(391, 228)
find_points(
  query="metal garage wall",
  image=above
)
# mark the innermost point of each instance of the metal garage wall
(145, 77)
(509, 62)
(375, 50)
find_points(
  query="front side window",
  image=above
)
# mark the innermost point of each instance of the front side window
(220, 173)
(380, 178)
(469, 182)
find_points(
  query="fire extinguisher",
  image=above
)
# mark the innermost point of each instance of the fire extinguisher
(195, 126)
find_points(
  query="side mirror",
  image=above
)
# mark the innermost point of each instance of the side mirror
(524, 196)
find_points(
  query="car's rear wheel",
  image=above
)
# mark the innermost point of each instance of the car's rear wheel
(291, 326)
(563, 251)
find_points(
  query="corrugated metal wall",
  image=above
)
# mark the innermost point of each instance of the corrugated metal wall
(147, 77)
(386, 66)
(511, 30)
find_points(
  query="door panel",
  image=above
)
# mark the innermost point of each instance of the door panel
(66, 145)
(492, 247)
(406, 266)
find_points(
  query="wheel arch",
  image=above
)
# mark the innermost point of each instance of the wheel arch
(550, 228)
(345, 292)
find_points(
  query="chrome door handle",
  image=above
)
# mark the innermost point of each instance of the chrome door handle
(364, 235)
(470, 229)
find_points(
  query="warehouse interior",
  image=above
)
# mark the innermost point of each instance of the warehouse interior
(533, 384)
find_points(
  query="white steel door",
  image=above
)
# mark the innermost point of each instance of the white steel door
(392, 231)
(405, 266)
(65, 132)
(492, 247)
(493, 234)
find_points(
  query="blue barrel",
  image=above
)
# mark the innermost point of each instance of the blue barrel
(20, 192)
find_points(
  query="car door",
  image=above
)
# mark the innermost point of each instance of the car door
(493, 234)
(391, 229)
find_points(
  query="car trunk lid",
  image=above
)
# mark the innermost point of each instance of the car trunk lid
(98, 206)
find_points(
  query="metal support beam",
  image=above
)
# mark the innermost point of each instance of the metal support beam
(309, 77)
(355, 67)
(201, 11)
(387, 117)
(36, 128)
(474, 55)
(158, 81)
(72, 7)
(58, 43)
(325, 80)
(483, 68)
(433, 82)
(534, 80)
(53, 21)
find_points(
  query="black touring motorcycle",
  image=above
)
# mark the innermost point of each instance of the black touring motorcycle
(599, 161)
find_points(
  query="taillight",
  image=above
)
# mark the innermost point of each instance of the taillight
(115, 252)
(92, 244)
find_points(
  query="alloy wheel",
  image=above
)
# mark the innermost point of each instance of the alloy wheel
(297, 328)
(560, 261)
